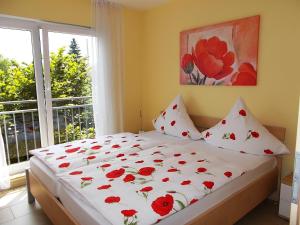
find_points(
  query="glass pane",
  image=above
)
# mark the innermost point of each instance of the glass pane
(18, 105)
(71, 87)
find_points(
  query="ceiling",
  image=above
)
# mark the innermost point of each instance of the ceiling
(141, 4)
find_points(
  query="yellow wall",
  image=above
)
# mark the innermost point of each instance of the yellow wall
(78, 12)
(274, 100)
(151, 44)
(62, 11)
(133, 68)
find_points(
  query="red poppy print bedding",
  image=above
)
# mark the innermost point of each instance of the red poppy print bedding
(240, 131)
(152, 185)
(175, 121)
(66, 157)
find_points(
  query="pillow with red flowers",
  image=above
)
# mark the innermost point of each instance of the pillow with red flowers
(240, 131)
(175, 121)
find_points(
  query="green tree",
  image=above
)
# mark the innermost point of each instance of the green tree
(70, 77)
(17, 82)
(4, 63)
(74, 48)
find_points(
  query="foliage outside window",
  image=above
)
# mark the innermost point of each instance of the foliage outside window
(69, 72)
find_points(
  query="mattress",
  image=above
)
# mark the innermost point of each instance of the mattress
(49, 179)
(45, 175)
(257, 166)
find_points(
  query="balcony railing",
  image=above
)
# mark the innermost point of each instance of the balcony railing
(72, 120)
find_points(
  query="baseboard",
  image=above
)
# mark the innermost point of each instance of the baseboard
(17, 180)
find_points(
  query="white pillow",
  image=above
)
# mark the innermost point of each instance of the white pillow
(240, 131)
(175, 121)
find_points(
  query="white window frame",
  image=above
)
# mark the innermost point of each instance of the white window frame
(47, 27)
(32, 27)
(43, 81)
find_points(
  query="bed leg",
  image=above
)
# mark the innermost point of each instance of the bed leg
(30, 197)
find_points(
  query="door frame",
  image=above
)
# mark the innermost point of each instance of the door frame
(40, 44)
(45, 29)
(33, 28)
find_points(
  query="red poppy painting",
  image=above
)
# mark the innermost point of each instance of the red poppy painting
(221, 54)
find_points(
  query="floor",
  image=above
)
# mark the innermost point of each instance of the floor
(14, 210)
(264, 214)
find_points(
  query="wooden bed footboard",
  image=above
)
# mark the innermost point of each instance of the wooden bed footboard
(49, 203)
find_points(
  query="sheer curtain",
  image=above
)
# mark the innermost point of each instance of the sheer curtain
(4, 175)
(107, 63)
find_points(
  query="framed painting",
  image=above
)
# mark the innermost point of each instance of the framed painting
(221, 54)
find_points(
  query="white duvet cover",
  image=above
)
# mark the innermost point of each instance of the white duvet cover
(69, 156)
(146, 187)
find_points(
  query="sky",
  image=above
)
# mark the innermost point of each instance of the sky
(16, 44)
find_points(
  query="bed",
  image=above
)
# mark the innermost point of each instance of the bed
(234, 201)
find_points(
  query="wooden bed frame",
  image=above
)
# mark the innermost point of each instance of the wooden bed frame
(227, 212)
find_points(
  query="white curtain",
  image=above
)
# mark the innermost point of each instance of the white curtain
(107, 63)
(4, 174)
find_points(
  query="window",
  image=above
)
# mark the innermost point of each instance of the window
(45, 86)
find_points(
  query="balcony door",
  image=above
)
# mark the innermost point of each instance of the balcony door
(45, 86)
(68, 88)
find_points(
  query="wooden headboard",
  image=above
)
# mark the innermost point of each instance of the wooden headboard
(205, 122)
